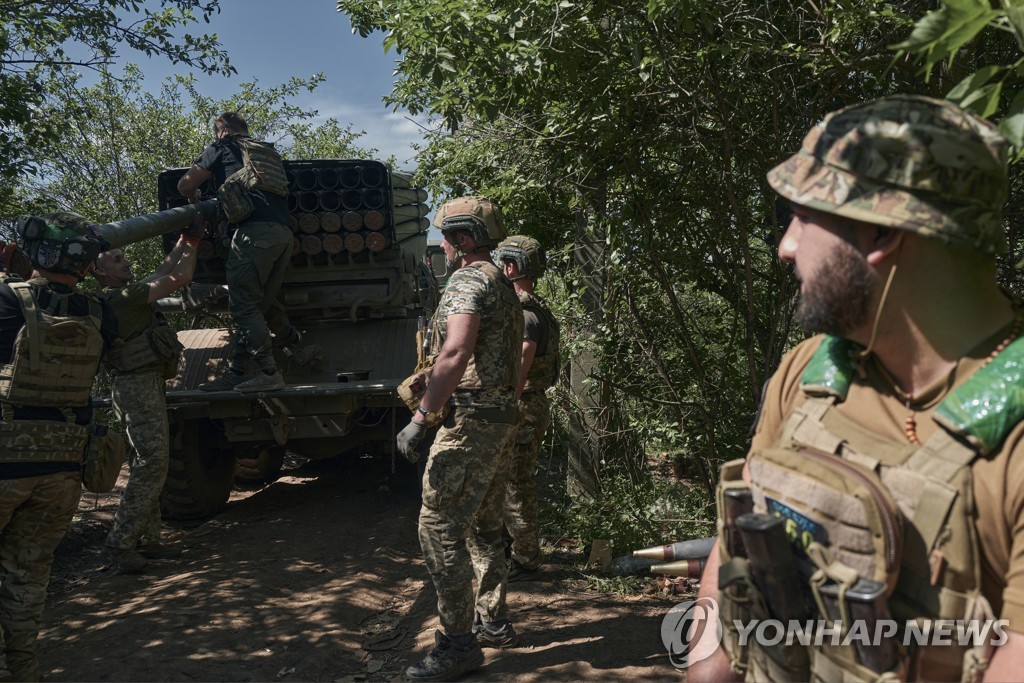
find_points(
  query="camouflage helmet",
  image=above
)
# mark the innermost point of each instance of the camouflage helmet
(63, 242)
(477, 215)
(908, 162)
(527, 254)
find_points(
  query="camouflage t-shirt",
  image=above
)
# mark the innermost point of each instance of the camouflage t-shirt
(484, 383)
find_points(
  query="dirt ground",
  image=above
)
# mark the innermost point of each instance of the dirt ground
(316, 577)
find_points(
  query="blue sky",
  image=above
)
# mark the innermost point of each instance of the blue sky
(274, 40)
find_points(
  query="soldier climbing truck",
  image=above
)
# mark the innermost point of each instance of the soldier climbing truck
(357, 290)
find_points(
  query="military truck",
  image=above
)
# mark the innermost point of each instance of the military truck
(359, 286)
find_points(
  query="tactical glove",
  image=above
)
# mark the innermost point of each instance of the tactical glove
(409, 438)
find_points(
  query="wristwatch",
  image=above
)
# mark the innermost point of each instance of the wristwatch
(431, 417)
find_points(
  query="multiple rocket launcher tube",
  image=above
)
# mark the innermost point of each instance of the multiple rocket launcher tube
(336, 209)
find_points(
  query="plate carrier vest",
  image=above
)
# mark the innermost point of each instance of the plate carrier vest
(53, 365)
(543, 371)
(507, 314)
(858, 505)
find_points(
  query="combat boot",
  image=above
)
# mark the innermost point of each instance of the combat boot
(495, 634)
(451, 657)
(128, 560)
(262, 382)
(226, 382)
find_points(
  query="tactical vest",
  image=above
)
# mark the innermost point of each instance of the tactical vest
(56, 354)
(507, 314)
(157, 345)
(857, 505)
(261, 169)
(543, 371)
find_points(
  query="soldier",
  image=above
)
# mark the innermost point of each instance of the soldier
(51, 342)
(524, 261)
(477, 325)
(909, 399)
(261, 248)
(146, 354)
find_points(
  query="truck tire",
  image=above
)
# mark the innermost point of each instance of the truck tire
(200, 475)
(256, 464)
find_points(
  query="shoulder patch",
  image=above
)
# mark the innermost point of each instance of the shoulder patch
(990, 403)
(830, 371)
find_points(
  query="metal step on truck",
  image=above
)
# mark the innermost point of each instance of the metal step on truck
(358, 287)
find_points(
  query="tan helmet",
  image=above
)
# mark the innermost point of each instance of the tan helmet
(477, 215)
(526, 253)
(908, 162)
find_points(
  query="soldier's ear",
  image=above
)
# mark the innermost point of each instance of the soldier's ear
(883, 243)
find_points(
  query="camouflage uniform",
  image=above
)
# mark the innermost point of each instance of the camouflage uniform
(928, 167)
(141, 406)
(40, 470)
(463, 485)
(521, 513)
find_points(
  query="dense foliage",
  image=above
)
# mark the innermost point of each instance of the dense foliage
(43, 42)
(633, 138)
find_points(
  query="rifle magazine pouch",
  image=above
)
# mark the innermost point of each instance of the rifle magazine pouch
(837, 665)
(104, 458)
(413, 387)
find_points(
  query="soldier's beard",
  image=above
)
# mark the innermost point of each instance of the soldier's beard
(836, 299)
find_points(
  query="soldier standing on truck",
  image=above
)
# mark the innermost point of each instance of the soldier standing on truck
(891, 443)
(524, 260)
(51, 342)
(478, 326)
(145, 355)
(252, 189)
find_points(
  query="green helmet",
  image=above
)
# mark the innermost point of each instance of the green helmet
(908, 162)
(527, 254)
(63, 242)
(477, 215)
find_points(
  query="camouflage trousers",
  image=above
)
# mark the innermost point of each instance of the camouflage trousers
(255, 269)
(521, 513)
(141, 406)
(35, 513)
(460, 519)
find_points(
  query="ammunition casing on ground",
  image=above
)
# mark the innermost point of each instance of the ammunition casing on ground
(691, 569)
(627, 565)
(683, 550)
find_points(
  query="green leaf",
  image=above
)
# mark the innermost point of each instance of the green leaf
(973, 82)
(984, 101)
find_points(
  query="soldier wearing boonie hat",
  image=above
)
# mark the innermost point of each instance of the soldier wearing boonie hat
(911, 390)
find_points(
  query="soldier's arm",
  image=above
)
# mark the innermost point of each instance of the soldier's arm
(452, 360)
(529, 352)
(716, 667)
(190, 183)
(174, 273)
(1008, 659)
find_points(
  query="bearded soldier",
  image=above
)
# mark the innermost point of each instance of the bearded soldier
(524, 261)
(145, 355)
(471, 395)
(889, 452)
(51, 341)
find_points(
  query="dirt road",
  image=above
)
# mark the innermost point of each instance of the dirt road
(317, 577)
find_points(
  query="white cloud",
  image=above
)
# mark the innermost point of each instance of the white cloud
(388, 131)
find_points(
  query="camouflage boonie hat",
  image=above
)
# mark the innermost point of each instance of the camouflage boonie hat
(908, 162)
(479, 215)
